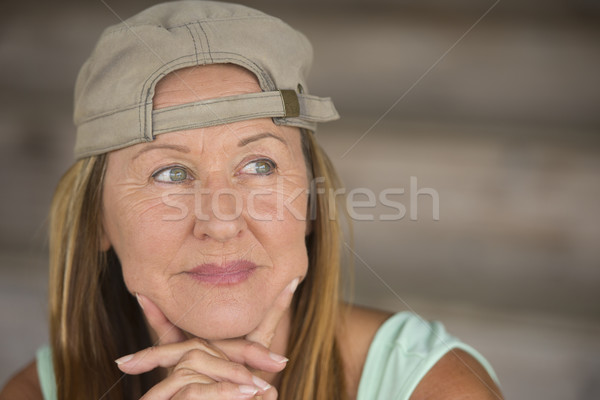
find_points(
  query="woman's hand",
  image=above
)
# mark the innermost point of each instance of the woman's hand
(201, 369)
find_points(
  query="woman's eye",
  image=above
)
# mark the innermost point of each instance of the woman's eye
(259, 167)
(171, 175)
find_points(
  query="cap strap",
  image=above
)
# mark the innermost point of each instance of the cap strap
(285, 104)
(317, 109)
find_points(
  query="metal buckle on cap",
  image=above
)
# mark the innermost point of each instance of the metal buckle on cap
(291, 103)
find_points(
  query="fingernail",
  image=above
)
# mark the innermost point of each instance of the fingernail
(260, 383)
(248, 389)
(124, 359)
(294, 285)
(278, 358)
(137, 296)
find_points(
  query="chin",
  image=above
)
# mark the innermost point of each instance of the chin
(219, 323)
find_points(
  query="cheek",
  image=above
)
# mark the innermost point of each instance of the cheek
(278, 221)
(144, 232)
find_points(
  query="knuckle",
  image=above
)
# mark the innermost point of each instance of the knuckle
(253, 348)
(150, 351)
(180, 372)
(224, 389)
(240, 373)
(206, 347)
(199, 342)
(192, 355)
(220, 353)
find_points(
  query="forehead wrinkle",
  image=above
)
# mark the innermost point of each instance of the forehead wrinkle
(204, 82)
(223, 149)
(194, 139)
(258, 127)
(264, 135)
(157, 146)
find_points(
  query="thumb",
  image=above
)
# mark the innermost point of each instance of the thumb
(265, 331)
(164, 329)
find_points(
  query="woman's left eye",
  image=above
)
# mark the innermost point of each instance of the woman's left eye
(171, 175)
(259, 167)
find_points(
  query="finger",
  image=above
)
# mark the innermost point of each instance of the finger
(270, 394)
(265, 332)
(168, 387)
(252, 354)
(220, 369)
(193, 355)
(185, 384)
(167, 356)
(165, 330)
(219, 390)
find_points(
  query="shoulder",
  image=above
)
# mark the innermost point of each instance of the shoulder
(23, 385)
(410, 358)
(457, 375)
(360, 324)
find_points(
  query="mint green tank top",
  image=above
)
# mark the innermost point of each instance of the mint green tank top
(404, 349)
(45, 372)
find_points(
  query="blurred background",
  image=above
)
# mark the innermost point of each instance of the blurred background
(494, 105)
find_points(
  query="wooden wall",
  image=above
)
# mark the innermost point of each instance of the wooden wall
(500, 117)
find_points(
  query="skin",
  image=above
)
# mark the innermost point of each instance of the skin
(162, 230)
(219, 341)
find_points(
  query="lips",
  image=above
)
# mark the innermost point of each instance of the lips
(224, 274)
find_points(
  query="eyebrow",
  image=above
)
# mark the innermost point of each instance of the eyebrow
(183, 149)
(245, 141)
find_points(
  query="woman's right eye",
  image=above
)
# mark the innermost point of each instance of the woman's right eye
(171, 175)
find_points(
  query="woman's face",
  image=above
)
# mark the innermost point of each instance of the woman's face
(209, 223)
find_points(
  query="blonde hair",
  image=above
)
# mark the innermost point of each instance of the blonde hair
(94, 319)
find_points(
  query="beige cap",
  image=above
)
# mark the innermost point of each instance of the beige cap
(115, 87)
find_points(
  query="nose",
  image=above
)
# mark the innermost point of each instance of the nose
(219, 214)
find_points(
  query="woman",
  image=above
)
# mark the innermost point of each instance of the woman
(191, 241)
